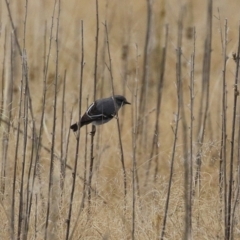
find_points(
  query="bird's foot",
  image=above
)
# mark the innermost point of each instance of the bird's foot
(92, 133)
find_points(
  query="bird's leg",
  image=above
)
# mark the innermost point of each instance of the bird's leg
(75, 133)
(93, 130)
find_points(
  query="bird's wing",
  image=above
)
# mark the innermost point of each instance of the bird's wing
(94, 113)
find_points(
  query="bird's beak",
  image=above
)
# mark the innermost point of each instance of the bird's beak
(126, 102)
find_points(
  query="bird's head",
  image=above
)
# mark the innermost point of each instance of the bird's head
(121, 100)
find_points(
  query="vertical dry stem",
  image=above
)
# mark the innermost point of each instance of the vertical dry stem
(118, 125)
(143, 121)
(192, 96)
(203, 110)
(178, 84)
(155, 141)
(53, 132)
(62, 157)
(222, 166)
(78, 137)
(94, 98)
(231, 182)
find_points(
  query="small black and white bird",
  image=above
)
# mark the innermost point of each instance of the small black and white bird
(101, 111)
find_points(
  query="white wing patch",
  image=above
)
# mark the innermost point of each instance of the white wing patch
(93, 116)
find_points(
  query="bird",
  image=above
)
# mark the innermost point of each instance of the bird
(101, 111)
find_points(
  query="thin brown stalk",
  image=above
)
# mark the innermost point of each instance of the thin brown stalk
(66, 147)
(3, 75)
(33, 137)
(118, 125)
(13, 28)
(85, 162)
(144, 97)
(223, 153)
(144, 83)
(171, 173)
(78, 136)
(21, 215)
(85, 184)
(192, 96)
(221, 176)
(136, 115)
(125, 56)
(177, 117)
(237, 195)
(10, 93)
(53, 131)
(4, 85)
(134, 167)
(102, 66)
(155, 141)
(203, 110)
(96, 53)
(187, 218)
(231, 180)
(36, 216)
(36, 170)
(134, 147)
(133, 175)
(62, 162)
(164, 54)
(94, 98)
(29, 179)
(236, 200)
(26, 136)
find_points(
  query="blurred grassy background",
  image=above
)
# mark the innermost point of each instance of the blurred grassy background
(127, 23)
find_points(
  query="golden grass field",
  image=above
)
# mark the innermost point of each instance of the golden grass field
(111, 215)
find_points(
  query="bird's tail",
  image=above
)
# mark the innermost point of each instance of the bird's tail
(74, 127)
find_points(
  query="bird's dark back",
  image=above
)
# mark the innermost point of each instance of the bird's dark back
(106, 106)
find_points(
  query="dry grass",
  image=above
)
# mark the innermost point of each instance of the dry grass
(110, 215)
